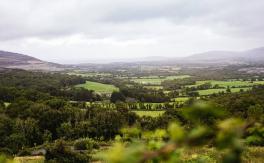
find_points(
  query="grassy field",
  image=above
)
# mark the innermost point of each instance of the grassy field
(149, 113)
(29, 159)
(250, 155)
(98, 87)
(89, 74)
(212, 91)
(155, 80)
(181, 99)
(231, 83)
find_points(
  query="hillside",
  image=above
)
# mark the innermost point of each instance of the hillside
(21, 61)
(252, 55)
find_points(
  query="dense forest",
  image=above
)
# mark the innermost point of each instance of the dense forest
(44, 113)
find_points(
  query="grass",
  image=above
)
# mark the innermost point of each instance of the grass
(98, 87)
(230, 83)
(89, 74)
(30, 159)
(250, 155)
(149, 113)
(181, 99)
(155, 80)
(212, 91)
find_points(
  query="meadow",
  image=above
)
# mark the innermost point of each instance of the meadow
(156, 80)
(98, 87)
(228, 83)
(181, 99)
(29, 159)
(90, 74)
(212, 91)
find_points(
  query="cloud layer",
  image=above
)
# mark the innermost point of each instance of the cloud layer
(78, 30)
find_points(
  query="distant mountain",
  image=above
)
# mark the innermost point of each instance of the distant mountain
(21, 61)
(252, 55)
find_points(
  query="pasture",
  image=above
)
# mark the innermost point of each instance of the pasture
(90, 74)
(212, 91)
(156, 80)
(228, 83)
(98, 87)
(29, 159)
(181, 99)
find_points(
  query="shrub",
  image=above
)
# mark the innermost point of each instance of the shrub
(85, 144)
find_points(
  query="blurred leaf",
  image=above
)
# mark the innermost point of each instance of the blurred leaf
(176, 132)
(204, 113)
(198, 135)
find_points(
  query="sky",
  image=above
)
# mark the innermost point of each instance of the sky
(79, 31)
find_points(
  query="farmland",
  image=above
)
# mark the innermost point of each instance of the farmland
(230, 83)
(90, 74)
(98, 87)
(156, 80)
(212, 91)
(63, 117)
(181, 99)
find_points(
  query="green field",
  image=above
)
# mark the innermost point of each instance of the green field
(155, 80)
(149, 113)
(29, 159)
(212, 91)
(98, 87)
(181, 99)
(231, 83)
(90, 74)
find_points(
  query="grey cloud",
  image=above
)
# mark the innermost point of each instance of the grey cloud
(215, 23)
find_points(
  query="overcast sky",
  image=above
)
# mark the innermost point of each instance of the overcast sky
(68, 31)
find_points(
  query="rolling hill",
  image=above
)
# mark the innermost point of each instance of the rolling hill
(21, 61)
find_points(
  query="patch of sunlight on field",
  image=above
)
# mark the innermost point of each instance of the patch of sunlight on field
(98, 87)
(29, 159)
(149, 113)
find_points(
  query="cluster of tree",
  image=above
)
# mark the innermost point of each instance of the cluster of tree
(26, 124)
(35, 86)
(206, 126)
(243, 104)
(177, 83)
(218, 72)
(40, 111)
(140, 94)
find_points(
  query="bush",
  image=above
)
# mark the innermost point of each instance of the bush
(59, 152)
(85, 144)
